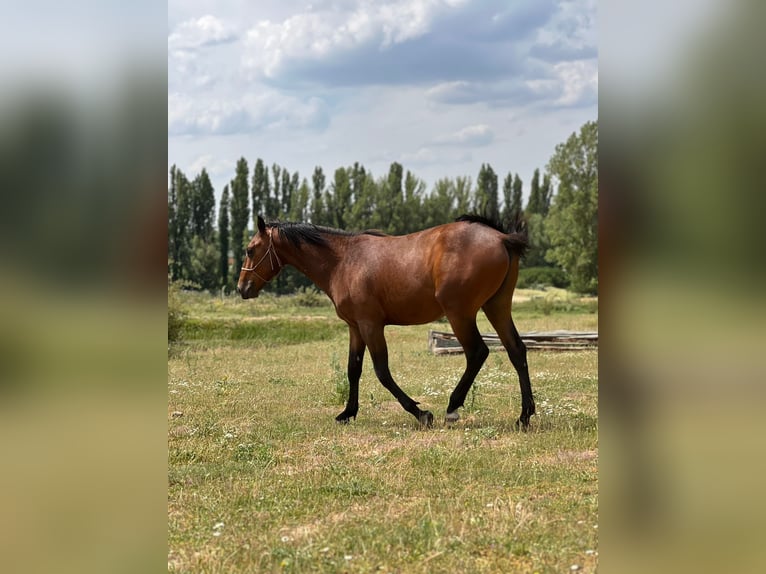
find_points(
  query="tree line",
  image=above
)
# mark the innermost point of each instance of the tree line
(561, 211)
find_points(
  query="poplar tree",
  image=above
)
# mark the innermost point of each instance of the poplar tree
(223, 238)
(517, 192)
(317, 191)
(511, 199)
(485, 198)
(438, 207)
(462, 195)
(179, 224)
(240, 213)
(340, 203)
(202, 206)
(414, 188)
(260, 191)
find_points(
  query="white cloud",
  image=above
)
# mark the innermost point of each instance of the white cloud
(233, 115)
(317, 34)
(474, 136)
(578, 81)
(214, 166)
(306, 82)
(426, 156)
(198, 32)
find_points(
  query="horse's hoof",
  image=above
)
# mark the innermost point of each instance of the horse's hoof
(451, 418)
(426, 419)
(522, 425)
(344, 419)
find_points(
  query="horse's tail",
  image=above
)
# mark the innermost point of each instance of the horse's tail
(517, 237)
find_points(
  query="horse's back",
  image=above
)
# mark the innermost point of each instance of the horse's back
(416, 278)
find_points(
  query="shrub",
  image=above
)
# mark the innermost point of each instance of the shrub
(176, 313)
(310, 297)
(531, 277)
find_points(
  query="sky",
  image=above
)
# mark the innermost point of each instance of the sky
(440, 86)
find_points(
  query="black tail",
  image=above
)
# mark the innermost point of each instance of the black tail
(517, 239)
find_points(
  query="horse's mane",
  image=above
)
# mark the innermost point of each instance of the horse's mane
(298, 233)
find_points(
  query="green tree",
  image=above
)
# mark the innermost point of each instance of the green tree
(414, 188)
(535, 200)
(223, 239)
(179, 224)
(535, 217)
(538, 241)
(240, 213)
(172, 221)
(572, 224)
(287, 193)
(438, 206)
(546, 194)
(339, 202)
(511, 198)
(318, 213)
(462, 195)
(517, 192)
(274, 200)
(202, 206)
(485, 198)
(204, 263)
(299, 203)
(260, 191)
(389, 203)
(365, 195)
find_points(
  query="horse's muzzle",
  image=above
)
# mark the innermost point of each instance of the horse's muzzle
(244, 289)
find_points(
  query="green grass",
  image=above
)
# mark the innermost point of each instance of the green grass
(262, 479)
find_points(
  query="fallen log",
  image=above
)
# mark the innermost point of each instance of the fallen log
(445, 342)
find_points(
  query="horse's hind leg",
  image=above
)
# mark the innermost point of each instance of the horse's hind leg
(498, 311)
(372, 333)
(476, 353)
(355, 357)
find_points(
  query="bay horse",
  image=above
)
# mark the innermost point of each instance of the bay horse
(374, 280)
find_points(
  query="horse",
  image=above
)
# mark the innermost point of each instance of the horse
(374, 279)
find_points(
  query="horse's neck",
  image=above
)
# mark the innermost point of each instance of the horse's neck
(317, 262)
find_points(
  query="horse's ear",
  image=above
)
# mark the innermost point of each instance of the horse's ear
(261, 225)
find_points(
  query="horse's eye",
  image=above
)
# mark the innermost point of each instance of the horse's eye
(249, 252)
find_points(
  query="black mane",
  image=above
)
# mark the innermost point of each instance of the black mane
(515, 225)
(298, 233)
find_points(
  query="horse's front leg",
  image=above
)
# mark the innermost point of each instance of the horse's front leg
(376, 342)
(356, 348)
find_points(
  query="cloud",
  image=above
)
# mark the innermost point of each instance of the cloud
(578, 81)
(214, 166)
(564, 84)
(196, 33)
(571, 33)
(224, 116)
(503, 93)
(561, 51)
(406, 41)
(425, 156)
(472, 136)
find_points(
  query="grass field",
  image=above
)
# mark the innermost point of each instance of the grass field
(262, 479)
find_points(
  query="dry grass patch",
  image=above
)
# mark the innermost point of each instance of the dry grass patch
(262, 479)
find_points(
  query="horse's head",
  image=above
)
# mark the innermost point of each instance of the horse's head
(261, 263)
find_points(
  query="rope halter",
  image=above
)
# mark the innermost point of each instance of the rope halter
(271, 254)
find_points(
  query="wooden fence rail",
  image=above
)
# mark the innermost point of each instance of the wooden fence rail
(444, 342)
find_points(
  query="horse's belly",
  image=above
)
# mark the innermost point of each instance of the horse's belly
(413, 311)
